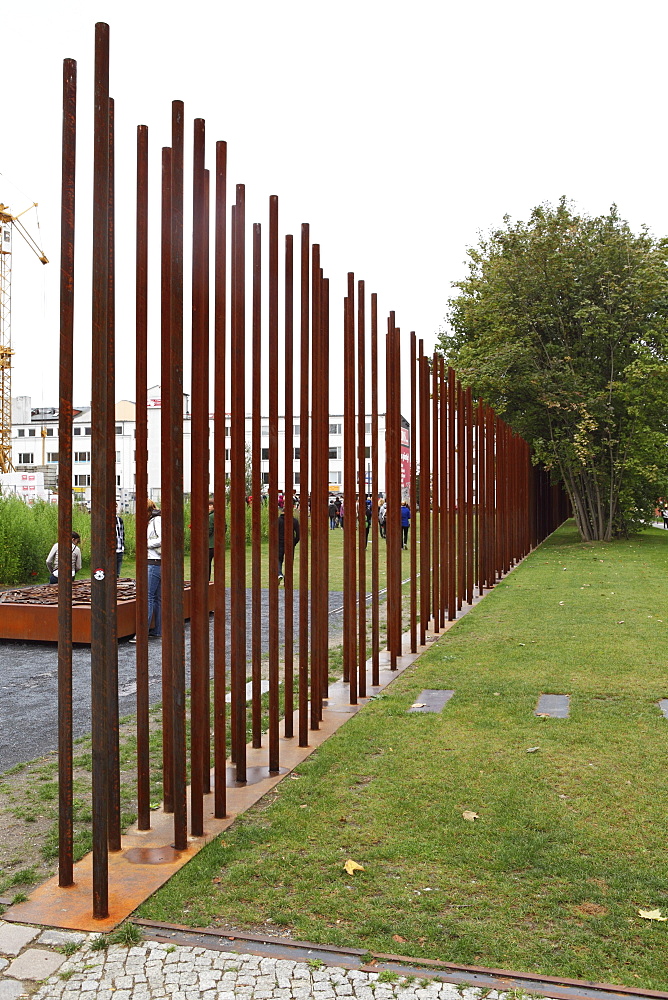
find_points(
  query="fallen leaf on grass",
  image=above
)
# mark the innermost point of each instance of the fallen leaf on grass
(532, 749)
(542, 715)
(620, 623)
(398, 938)
(419, 704)
(470, 816)
(651, 915)
(352, 866)
(217, 879)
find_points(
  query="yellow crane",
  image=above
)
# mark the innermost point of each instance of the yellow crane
(8, 223)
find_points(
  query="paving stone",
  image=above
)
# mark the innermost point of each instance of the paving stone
(663, 705)
(57, 938)
(35, 963)
(431, 700)
(555, 705)
(11, 990)
(14, 937)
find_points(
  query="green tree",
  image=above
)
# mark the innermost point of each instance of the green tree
(561, 324)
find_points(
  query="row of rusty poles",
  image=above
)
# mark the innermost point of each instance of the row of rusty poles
(481, 505)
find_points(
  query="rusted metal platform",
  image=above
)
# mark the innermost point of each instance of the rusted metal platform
(32, 612)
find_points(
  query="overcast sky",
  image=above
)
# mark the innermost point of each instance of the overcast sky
(398, 131)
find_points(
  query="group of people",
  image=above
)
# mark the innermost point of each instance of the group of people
(154, 547)
(336, 517)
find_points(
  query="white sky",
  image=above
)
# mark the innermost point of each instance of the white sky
(399, 131)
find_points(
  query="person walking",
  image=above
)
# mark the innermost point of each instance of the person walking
(154, 545)
(405, 523)
(333, 515)
(281, 541)
(382, 515)
(52, 559)
(120, 543)
(664, 515)
(211, 509)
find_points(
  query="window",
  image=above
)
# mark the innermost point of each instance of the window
(297, 452)
(82, 480)
(49, 432)
(335, 453)
(296, 479)
(295, 430)
(367, 452)
(31, 432)
(86, 430)
(82, 456)
(118, 480)
(77, 430)
(228, 452)
(335, 478)
(335, 428)
(119, 428)
(227, 430)
(265, 454)
(118, 457)
(265, 430)
(22, 432)
(265, 478)
(25, 458)
(367, 428)
(52, 456)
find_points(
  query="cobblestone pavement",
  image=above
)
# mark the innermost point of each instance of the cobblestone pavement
(34, 967)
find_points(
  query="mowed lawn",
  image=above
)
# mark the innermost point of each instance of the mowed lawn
(570, 839)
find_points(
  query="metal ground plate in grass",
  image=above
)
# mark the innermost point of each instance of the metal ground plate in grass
(431, 700)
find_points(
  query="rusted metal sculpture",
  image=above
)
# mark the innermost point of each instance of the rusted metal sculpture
(477, 504)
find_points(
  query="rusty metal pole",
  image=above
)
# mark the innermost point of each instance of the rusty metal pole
(490, 465)
(175, 524)
(413, 494)
(113, 762)
(469, 498)
(425, 492)
(237, 488)
(375, 541)
(141, 491)
(479, 494)
(324, 561)
(393, 518)
(436, 494)
(349, 496)
(256, 490)
(199, 513)
(461, 508)
(206, 294)
(361, 490)
(288, 493)
(273, 486)
(446, 554)
(304, 489)
(100, 306)
(318, 493)
(219, 479)
(65, 413)
(452, 550)
(165, 491)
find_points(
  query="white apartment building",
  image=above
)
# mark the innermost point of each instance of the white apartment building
(35, 444)
(35, 447)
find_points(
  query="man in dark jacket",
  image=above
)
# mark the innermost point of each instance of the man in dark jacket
(281, 541)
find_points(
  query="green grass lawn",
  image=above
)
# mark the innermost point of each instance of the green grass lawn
(570, 839)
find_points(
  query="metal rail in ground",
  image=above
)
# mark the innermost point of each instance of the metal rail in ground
(502, 980)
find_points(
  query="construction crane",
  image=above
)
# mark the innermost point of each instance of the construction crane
(8, 223)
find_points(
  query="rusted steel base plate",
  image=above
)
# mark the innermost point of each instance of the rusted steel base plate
(131, 881)
(39, 622)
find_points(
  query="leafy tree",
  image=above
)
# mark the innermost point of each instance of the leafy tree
(562, 326)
